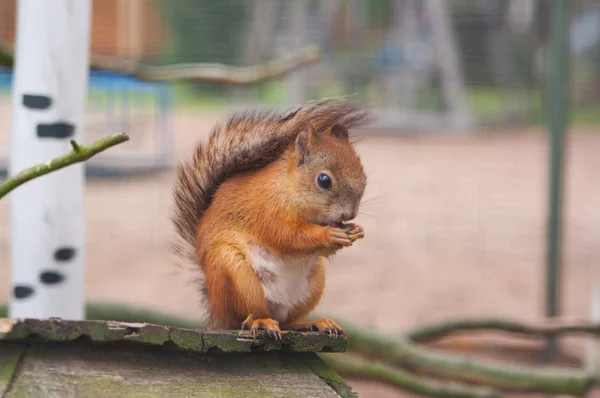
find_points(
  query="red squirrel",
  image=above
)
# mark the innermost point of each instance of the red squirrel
(261, 206)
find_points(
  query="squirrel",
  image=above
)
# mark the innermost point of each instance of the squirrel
(262, 205)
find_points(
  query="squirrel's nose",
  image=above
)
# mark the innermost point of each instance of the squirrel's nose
(349, 214)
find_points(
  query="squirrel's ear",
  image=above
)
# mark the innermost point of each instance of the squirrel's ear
(340, 131)
(304, 140)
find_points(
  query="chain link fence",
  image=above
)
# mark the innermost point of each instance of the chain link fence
(456, 223)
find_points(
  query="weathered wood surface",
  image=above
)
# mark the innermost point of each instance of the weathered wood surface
(56, 358)
(198, 340)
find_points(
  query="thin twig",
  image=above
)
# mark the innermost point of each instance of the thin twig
(78, 154)
(75, 146)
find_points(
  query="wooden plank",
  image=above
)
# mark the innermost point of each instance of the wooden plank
(10, 356)
(66, 358)
(85, 370)
(196, 340)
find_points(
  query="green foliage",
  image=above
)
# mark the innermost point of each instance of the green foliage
(380, 13)
(205, 31)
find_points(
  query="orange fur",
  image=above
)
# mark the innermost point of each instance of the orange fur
(264, 221)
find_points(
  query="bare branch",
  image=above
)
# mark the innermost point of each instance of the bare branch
(406, 353)
(198, 72)
(213, 73)
(550, 328)
(400, 378)
(78, 154)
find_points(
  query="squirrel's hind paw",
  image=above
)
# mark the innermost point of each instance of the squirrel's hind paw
(271, 326)
(323, 325)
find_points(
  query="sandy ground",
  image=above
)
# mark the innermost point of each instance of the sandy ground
(454, 228)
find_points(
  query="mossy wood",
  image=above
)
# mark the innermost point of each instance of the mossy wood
(110, 359)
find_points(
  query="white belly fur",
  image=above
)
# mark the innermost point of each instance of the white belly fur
(284, 279)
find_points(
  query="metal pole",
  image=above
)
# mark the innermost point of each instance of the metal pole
(298, 31)
(447, 54)
(558, 76)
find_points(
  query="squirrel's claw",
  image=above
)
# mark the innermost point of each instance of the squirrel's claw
(246, 325)
(271, 326)
(357, 232)
(322, 325)
(328, 326)
(340, 237)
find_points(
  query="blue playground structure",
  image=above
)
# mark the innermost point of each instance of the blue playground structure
(118, 102)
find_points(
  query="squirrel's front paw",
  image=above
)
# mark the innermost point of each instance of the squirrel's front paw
(345, 232)
(339, 237)
(355, 232)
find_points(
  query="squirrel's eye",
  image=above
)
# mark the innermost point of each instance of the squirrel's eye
(324, 181)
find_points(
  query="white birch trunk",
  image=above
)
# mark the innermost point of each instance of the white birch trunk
(260, 30)
(47, 217)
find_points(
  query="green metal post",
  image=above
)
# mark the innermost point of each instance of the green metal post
(558, 112)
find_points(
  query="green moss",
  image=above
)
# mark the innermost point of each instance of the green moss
(10, 356)
(329, 376)
(220, 342)
(187, 339)
(101, 332)
(317, 343)
(103, 386)
(150, 334)
(148, 373)
(125, 313)
(12, 331)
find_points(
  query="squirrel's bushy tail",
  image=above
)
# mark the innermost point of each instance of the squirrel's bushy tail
(248, 140)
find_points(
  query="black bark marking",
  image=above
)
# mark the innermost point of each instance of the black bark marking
(51, 277)
(22, 291)
(64, 254)
(55, 130)
(33, 101)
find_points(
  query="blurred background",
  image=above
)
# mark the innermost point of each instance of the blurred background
(458, 155)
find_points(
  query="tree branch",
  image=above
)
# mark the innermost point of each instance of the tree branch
(406, 353)
(402, 379)
(198, 72)
(551, 328)
(213, 73)
(78, 154)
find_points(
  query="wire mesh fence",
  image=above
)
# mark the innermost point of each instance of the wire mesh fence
(455, 225)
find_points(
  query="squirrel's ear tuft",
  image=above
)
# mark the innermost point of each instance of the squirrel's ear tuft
(304, 141)
(339, 131)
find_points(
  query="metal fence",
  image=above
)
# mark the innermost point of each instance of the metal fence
(457, 226)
